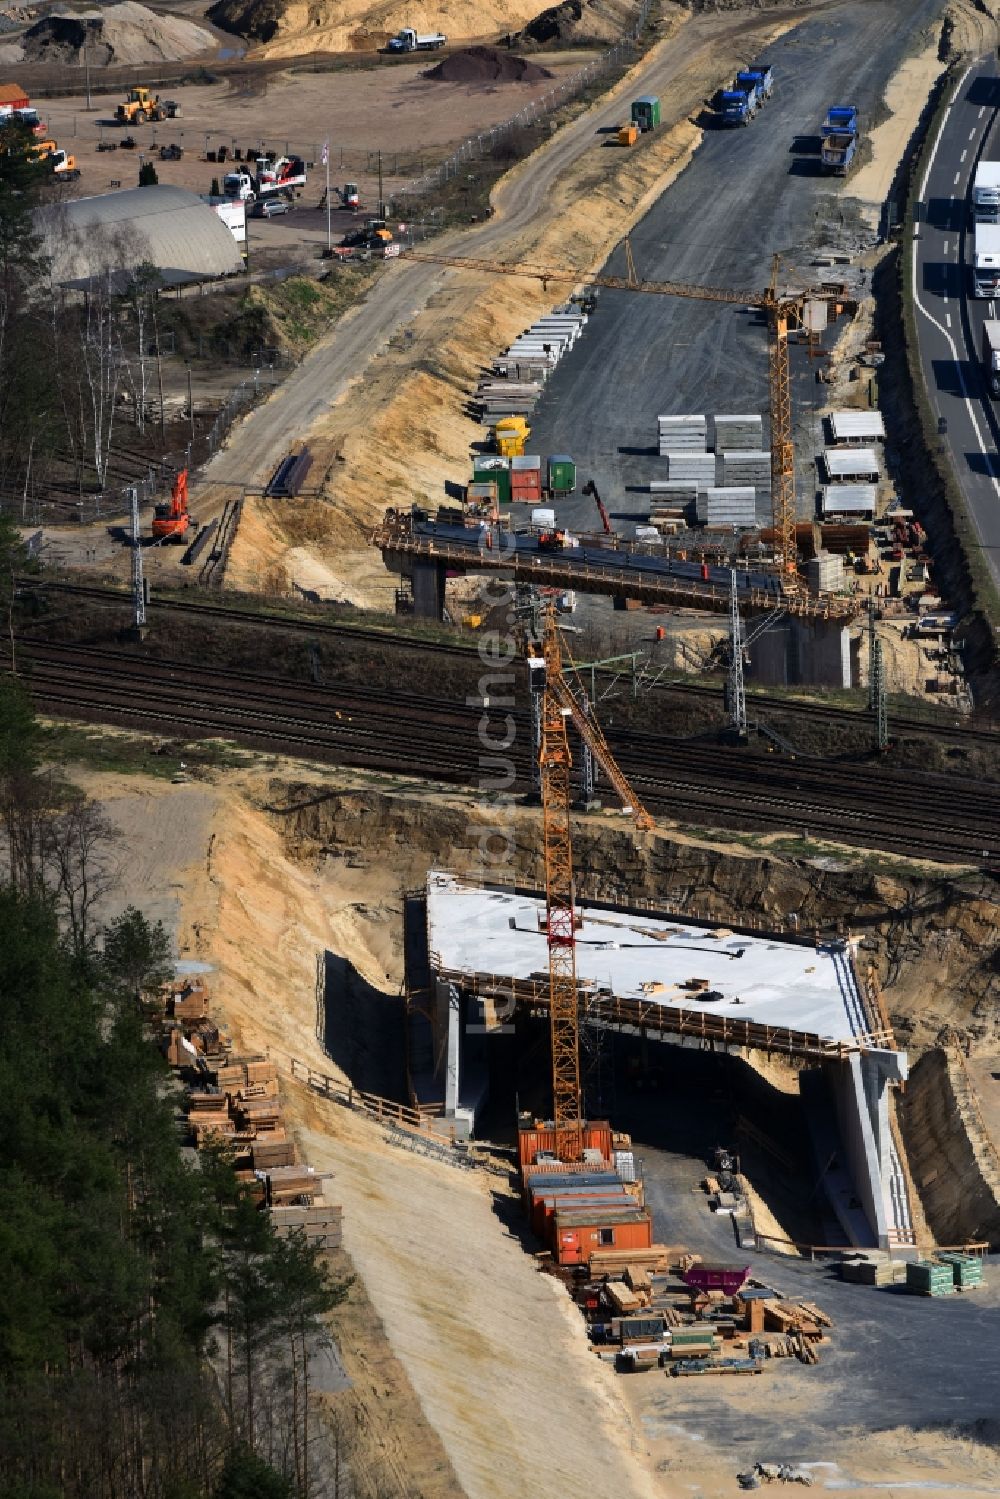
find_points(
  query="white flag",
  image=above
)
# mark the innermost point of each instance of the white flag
(326, 153)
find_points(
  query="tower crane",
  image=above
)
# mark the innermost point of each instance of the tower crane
(559, 706)
(785, 312)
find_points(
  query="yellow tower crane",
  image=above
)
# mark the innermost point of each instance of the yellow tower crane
(559, 706)
(785, 313)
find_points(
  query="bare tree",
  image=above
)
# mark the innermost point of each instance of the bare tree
(78, 847)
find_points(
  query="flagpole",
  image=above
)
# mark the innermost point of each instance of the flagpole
(329, 239)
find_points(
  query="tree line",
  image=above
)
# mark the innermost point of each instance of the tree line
(156, 1334)
(74, 358)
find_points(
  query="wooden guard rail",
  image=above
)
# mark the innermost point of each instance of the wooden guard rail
(383, 1110)
(667, 1020)
(973, 1246)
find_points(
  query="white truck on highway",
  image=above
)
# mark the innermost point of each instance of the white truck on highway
(991, 355)
(986, 260)
(986, 193)
(409, 40)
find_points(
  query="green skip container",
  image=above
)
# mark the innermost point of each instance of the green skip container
(494, 471)
(966, 1269)
(929, 1278)
(562, 474)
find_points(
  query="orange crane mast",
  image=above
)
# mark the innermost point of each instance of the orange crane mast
(785, 312)
(559, 706)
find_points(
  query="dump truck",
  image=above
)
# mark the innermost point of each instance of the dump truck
(408, 40)
(837, 152)
(841, 119)
(139, 106)
(750, 89)
(986, 193)
(991, 355)
(646, 112)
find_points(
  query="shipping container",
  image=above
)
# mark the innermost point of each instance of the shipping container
(646, 111)
(540, 1139)
(494, 471)
(577, 1235)
(562, 474)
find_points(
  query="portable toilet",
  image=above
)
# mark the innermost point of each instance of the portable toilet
(646, 111)
(562, 474)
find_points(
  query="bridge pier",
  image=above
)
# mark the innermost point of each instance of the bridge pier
(428, 589)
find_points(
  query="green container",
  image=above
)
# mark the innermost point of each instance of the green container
(562, 474)
(646, 111)
(494, 471)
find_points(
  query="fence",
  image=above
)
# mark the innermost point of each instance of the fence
(483, 144)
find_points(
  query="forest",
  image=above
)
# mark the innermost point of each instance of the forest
(155, 1333)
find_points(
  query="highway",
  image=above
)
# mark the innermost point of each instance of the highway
(747, 194)
(949, 320)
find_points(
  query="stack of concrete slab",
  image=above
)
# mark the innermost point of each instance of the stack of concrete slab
(734, 505)
(682, 434)
(507, 397)
(676, 492)
(743, 466)
(743, 432)
(690, 467)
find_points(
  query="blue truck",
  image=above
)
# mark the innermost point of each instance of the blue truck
(750, 89)
(841, 119)
(839, 139)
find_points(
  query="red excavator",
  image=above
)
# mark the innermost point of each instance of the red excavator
(591, 488)
(171, 519)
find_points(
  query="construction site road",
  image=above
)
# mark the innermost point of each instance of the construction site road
(746, 194)
(256, 445)
(949, 320)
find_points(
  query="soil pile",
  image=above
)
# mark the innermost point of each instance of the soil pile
(120, 33)
(486, 65)
(288, 28)
(579, 22)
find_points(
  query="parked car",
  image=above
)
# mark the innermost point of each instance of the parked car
(269, 208)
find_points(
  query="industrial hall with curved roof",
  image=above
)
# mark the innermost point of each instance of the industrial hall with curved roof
(168, 227)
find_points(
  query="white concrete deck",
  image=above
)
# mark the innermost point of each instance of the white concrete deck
(757, 979)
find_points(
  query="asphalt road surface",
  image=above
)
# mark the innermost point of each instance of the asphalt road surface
(894, 1360)
(747, 194)
(949, 319)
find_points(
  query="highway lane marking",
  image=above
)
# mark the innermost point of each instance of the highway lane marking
(981, 113)
(946, 247)
(957, 175)
(947, 318)
(987, 458)
(972, 135)
(962, 158)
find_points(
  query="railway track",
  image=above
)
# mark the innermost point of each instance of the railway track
(956, 733)
(926, 816)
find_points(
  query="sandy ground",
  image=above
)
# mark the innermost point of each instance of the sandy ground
(493, 1350)
(905, 97)
(412, 121)
(127, 32)
(355, 25)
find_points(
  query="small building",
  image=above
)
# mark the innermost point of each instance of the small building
(12, 96)
(848, 499)
(851, 465)
(856, 426)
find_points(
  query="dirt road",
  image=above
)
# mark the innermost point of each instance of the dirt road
(521, 202)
